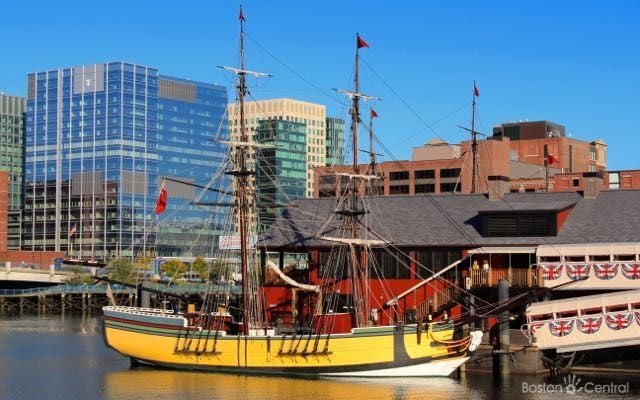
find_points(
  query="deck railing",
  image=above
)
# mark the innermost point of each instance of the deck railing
(517, 277)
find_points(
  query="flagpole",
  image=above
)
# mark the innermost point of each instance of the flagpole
(546, 169)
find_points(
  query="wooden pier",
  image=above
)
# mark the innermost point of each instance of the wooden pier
(83, 298)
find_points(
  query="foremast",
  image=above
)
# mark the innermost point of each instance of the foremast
(243, 194)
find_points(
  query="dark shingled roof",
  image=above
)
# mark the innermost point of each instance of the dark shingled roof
(454, 220)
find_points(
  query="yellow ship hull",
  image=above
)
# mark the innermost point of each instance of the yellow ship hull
(153, 339)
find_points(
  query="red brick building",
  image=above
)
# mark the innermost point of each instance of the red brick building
(530, 154)
(437, 167)
(625, 180)
(531, 142)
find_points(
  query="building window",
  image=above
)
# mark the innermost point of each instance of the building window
(614, 180)
(592, 168)
(429, 262)
(398, 189)
(399, 175)
(450, 173)
(425, 188)
(576, 182)
(450, 187)
(592, 153)
(426, 174)
(390, 264)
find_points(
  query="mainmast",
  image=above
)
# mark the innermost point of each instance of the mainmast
(241, 174)
(352, 210)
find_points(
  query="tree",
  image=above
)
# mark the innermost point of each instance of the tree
(220, 270)
(173, 268)
(200, 266)
(80, 276)
(122, 269)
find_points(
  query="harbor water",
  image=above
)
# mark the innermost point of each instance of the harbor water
(64, 357)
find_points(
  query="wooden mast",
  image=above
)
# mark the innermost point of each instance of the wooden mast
(241, 174)
(352, 210)
(359, 278)
(242, 183)
(474, 141)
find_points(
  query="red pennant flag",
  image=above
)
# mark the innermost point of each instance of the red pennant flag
(161, 202)
(551, 159)
(475, 90)
(374, 114)
(361, 42)
(241, 16)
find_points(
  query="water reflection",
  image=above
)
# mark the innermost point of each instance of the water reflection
(149, 383)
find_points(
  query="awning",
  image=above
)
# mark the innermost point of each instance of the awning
(503, 250)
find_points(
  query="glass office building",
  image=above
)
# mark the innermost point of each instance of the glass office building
(335, 141)
(191, 126)
(92, 159)
(11, 133)
(281, 168)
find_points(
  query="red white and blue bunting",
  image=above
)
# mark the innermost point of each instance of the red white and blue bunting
(561, 328)
(605, 271)
(578, 271)
(630, 271)
(551, 272)
(589, 325)
(619, 320)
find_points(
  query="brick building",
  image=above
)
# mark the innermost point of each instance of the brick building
(532, 141)
(529, 154)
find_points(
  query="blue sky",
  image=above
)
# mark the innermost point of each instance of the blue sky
(576, 63)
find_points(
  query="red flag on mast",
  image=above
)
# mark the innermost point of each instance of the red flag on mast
(551, 159)
(475, 90)
(241, 16)
(374, 114)
(161, 202)
(361, 42)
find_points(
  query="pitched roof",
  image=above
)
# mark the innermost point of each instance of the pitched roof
(454, 220)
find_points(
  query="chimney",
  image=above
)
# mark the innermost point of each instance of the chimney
(592, 183)
(498, 186)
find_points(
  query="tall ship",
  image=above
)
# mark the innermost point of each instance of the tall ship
(343, 320)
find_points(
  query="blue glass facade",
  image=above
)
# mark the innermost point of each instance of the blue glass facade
(91, 161)
(335, 141)
(11, 159)
(281, 168)
(191, 124)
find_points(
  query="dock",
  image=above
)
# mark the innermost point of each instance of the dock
(90, 298)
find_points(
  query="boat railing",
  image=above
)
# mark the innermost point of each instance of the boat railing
(152, 312)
